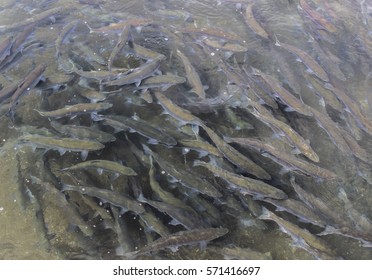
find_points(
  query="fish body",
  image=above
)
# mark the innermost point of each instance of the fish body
(123, 39)
(83, 132)
(155, 134)
(183, 238)
(244, 184)
(302, 237)
(29, 82)
(61, 144)
(66, 30)
(253, 23)
(114, 198)
(106, 165)
(288, 131)
(137, 74)
(285, 96)
(192, 76)
(236, 157)
(162, 81)
(60, 201)
(5, 47)
(76, 109)
(286, 159)
(33, 20)
(225, 46)
(307, 60)
(186, 177)
(317, 17)
(175, 111)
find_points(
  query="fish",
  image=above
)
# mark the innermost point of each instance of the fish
(28, 83)
(155, 134)
(330, 215)
(188, 218)
(100, 75)
(317, 17)
(123, 39)
(192, 76)
(184, 116)
(83, 132)
(285, 96)
(152, 223)
(66, 30)
(210, 32)
(75, 109)
(303, 238)
(203, 147)
(5, 47)
(181, 238)
(33, 20)
(299, 209)
(162, 81)
(253, 24)
(235, 157)
(103, 165)
(138, 74)
(225, 46)
(126, 203)
(289, 161)
(185, 176)
(239, 253)
(8, 91)
(59, 200)
(88, 53)
(351, 105)
(145, 53)
(93, 95)
(333, 131)
(61, 144)
(119, 26)
(244, 184)
(306, 59)
(299, 142)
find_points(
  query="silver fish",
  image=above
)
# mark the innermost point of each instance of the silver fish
(114, 198)
(103, 165)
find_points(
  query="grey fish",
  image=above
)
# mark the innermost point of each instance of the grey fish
(175, 111)
(253, 23)
(236, 157)
(145, 53)
(5, 46)
(302, 237)
(292, 162)
(244, 184)
(8, 91)
(66, 30)
(185, 217)
(35, 19)
(61, 144)
(137, 74)
(114, 198)
(203, 147)
(299, 142)
(154, 224)
(162, 81)
(103, 165)
(186, 177)
(91, 55)
(299, 209)
(239, 253)
(60, 201)
(192, 76)
(29, 82)
(155, 134)
(122, 40)
(306, 59)
(76, 109)
(83, 132)
(181, 238)
(285, 96)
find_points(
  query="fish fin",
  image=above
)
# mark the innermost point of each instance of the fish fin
(84, 155)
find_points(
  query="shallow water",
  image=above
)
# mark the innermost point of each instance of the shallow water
(337, 36)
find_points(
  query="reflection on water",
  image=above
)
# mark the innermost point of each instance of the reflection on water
(148, 129)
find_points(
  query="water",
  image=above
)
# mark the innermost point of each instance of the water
(337, 36)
